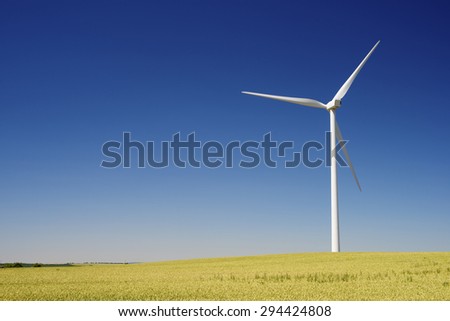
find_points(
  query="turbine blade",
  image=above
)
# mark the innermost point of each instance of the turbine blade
(347, 156)
(299, 101)
(346, 86)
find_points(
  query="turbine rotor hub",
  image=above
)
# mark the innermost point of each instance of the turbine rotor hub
(334, 104)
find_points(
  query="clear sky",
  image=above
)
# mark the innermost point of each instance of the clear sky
(74, 75)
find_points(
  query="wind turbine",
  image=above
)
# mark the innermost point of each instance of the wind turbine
(331, 107)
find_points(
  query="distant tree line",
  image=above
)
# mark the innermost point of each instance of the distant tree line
(20, 265)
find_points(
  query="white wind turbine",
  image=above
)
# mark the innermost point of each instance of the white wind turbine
(331, 107)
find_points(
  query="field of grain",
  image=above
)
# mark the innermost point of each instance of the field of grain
(310, 276)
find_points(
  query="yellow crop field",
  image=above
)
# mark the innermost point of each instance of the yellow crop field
(310, 276)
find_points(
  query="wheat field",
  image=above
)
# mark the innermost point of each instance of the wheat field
(309, 276)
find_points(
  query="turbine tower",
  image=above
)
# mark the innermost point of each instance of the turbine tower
(335, 132)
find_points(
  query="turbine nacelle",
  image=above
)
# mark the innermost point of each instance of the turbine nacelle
(333, 104)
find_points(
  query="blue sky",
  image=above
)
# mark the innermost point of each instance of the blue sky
(74, 75)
